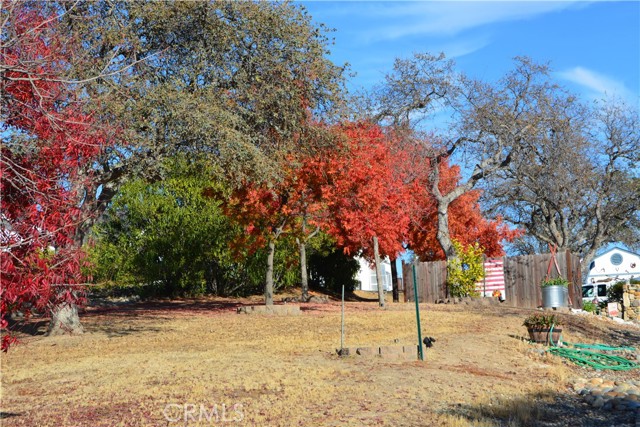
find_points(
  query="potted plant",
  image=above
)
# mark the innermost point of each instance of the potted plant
(543, 328)
(555, 292)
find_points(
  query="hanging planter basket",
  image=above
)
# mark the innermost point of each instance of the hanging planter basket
(555, 296)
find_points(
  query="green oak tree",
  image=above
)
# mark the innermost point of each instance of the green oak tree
(235, 81)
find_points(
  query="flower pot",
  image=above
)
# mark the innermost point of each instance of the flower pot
(541, 336)
(555, 296)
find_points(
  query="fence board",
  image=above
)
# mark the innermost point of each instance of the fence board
(408, 271)
(431, 280)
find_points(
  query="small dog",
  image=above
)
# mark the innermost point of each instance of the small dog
(428, 341)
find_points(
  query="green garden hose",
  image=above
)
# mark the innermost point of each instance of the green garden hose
(594, 360)
(582, 357)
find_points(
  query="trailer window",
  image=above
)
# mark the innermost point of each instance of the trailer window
(587, 292)
(602, 290)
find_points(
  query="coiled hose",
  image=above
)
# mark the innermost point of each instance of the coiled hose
(594, 359)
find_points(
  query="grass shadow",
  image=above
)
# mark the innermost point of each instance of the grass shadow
(119, 329)
(350, 296)
(520, 338)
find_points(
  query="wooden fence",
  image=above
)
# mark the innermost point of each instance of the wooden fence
(431, 280)
(522, 276)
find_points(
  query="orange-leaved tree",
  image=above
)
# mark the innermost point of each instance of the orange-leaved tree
(267, 211)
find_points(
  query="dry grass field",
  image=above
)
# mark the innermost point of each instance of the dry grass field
(198, 362)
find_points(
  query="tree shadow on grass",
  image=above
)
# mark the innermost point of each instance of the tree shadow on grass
(304, 307)
(114, 319)
(602, 330)
(33, 326)
(5, 415)
(162, 307)
(542, 409)
(111, 327)
(114, 329)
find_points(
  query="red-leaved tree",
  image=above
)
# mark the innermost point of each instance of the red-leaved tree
(363, 189)
(48, 143)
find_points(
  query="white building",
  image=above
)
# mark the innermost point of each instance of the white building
(367, 275)
(614, 265)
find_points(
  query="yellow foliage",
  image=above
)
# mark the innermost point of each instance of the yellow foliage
(464, 271)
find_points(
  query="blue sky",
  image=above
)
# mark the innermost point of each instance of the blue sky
(593, 47)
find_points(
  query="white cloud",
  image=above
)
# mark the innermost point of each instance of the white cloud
(445, 18)
(457, 49)
(597, 85)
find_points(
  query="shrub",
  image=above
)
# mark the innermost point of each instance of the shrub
(464, 271)
(603, 306)
(590, 307)
(556, 281)
(330, 268)
(541, 321)
(614, 293)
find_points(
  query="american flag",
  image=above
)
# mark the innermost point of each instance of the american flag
(493, 278)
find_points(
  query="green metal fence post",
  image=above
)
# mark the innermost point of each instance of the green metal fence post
(415, 295)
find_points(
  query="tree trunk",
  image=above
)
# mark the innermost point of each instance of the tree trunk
(376, 254)
(303, 270)
(394, 281)
(585, 263)
(302, 246)
(268, 286)
(210, 277)
(65, 320)
(443, 235)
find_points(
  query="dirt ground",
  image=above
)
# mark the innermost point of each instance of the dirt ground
(198, 362)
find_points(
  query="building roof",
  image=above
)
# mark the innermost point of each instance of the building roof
(616, 248)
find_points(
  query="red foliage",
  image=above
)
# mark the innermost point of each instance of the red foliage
(362, 187)
(353, 191)
(46, 140)
(260, 211)
(267, 211)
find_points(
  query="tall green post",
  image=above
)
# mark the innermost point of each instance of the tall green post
(342, 322)
(415, 295)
